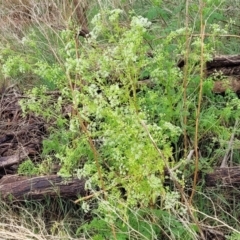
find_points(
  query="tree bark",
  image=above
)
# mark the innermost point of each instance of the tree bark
(224, 61)
(20, 188)
(227, 65)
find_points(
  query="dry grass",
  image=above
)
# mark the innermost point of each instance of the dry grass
(21, 223)
(47, 17)
(18, 15)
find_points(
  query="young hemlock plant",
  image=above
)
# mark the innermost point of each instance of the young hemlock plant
(114, 120)
(119, 113)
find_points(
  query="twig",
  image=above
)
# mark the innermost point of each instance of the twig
(89, 197)
(188, 159)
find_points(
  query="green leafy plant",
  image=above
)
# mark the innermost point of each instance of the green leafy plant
(28, 168)
(102, 85)
(123, 108)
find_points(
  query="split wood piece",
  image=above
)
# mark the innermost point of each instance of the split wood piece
(40, 187)
(13, 159)
(223, 176)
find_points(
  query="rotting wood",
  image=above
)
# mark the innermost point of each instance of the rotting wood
(229, 176)
(41, 187)
(224, 61)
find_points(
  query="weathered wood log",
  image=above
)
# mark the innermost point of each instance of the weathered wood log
(20, 188)
(224, 61)
(220, 67)
(218, 62)
(224, 177)
(227, 65)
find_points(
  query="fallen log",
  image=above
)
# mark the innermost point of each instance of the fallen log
(229, 176)
(226, 71)
(227, 65)
(224, 61)
(20, 188)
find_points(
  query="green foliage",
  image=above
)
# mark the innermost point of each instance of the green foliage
(119, 133)
(111, 105)
(234, 236)
(35, 60)
(140, 224)
(28, 168)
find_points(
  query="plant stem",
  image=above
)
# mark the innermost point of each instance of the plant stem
(174, 179)
(202, 75)
(185, 79)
